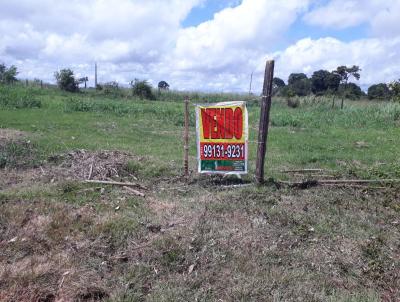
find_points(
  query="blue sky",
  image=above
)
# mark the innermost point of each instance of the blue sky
(298, 30)
(205, 45)
(206, 10)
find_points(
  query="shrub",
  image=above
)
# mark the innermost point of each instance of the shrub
(142, 89)
(112, 89)
(66, 80)
(351, 91)
(293, 103)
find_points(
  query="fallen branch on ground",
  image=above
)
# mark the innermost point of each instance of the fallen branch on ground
(365, 186)
(130, 190)
(116, 183)
(302, 170)
(312, 183)
(237, 186)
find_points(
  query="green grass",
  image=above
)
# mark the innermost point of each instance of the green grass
(361, 139)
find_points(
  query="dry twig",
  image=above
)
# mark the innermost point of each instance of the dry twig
(116, 183)
(130, 190)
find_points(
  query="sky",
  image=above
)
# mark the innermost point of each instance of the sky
(204, 45)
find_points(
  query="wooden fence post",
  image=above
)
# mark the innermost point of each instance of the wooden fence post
(186, 139)
(264, 120)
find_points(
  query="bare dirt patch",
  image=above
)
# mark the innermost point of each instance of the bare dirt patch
(76, 165)
(99, 165)
(11, 134)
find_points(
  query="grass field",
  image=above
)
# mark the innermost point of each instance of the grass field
(62, 239)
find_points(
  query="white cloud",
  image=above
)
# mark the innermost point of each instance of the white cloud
(229, 47)
(339, 14)
(381, 16)
(145, 39)
(378, 58)
(75, 32)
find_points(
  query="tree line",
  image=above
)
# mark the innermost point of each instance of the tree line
(141, 88)
(321, 83)
(333, 83)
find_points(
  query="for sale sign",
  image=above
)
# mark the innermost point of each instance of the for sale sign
(222, 135)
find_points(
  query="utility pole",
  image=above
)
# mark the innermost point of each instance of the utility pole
(251, 80)
(95, 75)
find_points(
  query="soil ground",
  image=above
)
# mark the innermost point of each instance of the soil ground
(62, 239)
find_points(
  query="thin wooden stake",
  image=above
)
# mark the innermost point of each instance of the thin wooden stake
(186, 139)
(264, 120)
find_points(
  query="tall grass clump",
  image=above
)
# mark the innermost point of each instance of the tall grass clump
(317, 113)
(18, 97)
(154, 110)
(203, 97)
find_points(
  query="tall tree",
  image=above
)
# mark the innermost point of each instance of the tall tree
(295, 77)
(299, 84)
(8, 75)
(323, 82)
(162, 85)
(277, 85)
(345, 73)
(379, 91)
(394, 88)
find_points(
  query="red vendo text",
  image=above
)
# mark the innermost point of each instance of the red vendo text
(222, 123)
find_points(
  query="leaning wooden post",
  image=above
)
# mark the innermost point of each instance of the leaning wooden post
(264, 120)
(186, 139)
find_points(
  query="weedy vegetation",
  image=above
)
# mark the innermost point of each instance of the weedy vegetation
(62, 239)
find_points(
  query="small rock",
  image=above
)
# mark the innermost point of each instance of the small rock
(12, 240)
(155, 228)
(190, 270)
